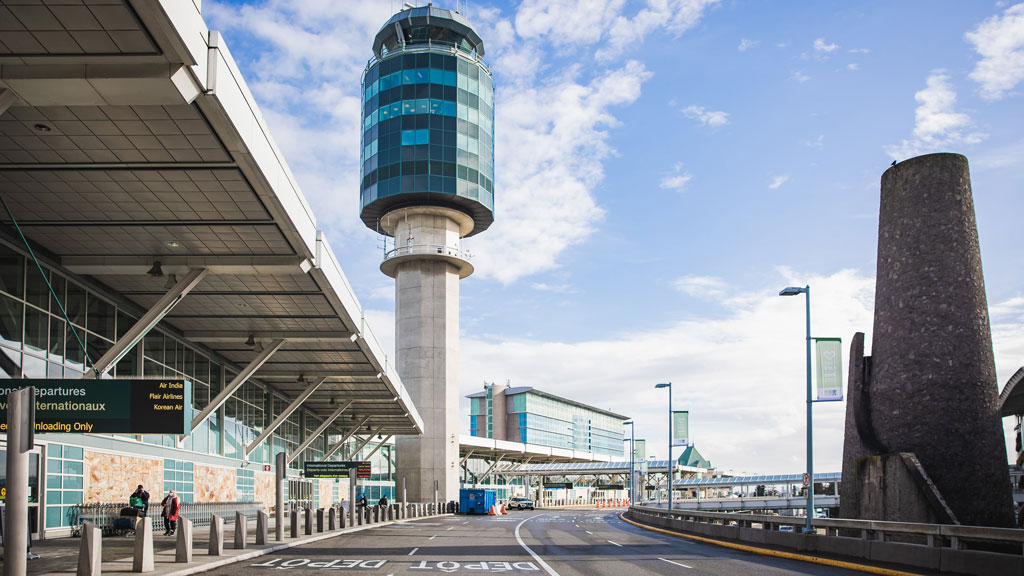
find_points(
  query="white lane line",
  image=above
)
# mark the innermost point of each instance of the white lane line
(413, 551)
(452, 528)
(676, 563)
(616, 543)
(432, 537)
(588, 531)
(543, 564)
(576, 525)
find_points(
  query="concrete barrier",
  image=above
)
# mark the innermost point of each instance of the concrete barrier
(216, 545)
(241, 531)
(183, 541)
(262, 521)
(142, 560)
(90, 551)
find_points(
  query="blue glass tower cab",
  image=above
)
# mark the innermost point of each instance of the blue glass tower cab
(428, 119)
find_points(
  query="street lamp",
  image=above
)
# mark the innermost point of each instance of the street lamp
(793, 291)
(632, 438)
(670, 466)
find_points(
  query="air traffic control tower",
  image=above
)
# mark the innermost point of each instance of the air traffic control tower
(427, 182)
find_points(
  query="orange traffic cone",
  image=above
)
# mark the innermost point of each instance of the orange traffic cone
(493, 511)
(600, 503)
(503, 511)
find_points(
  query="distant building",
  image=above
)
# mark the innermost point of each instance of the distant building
(525, 414)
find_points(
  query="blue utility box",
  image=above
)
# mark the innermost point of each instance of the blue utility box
(476, 500)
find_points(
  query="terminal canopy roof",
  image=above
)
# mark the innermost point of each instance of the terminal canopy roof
(133, 155)
(1011, 399)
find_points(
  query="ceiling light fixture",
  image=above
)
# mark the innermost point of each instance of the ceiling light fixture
(333, 401)
(251, 342)
(156, 270)
(173, 244)
(171, 281)
(42, 128)
(302, 378)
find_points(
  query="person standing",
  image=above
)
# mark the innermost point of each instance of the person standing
(171, 507)
(139, 500)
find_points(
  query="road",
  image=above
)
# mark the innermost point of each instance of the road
(552, 543)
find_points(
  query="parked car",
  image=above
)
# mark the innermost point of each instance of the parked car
(521, 503)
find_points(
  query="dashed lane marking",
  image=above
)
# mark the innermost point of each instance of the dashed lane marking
(413, 551)
(452, 528)
(588, 531)
(676, 563)
(432, 537)
(616, 543)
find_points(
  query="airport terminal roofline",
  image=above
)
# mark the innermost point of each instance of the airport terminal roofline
(144, 152)
(591, 468)
(521, 389)
(766, 479)
(478, 447)
(1011, 399)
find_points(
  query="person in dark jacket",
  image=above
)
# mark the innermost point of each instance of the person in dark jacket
(139, 500)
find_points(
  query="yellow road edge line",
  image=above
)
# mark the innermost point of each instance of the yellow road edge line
(776, 553)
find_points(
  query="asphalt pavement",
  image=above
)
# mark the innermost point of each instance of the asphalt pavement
(551, 542)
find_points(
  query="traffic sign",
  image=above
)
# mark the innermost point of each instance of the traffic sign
(807, 480)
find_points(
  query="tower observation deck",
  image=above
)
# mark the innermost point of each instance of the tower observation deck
(428, 181)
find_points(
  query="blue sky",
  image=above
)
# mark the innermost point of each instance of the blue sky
(663, 168)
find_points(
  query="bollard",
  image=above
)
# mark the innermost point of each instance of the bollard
(308, 521)
(216, 547)
(391, 512)
(262, 519)
(183, 541)
(376, 514)
(332, 519)
(143, 559)
(90, 551)
(319, 520)
(359, 517)
(341, 518)
(367, 513)
(294, 524)
(241, 531)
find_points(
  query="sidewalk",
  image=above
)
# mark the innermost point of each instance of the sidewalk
(59, 556)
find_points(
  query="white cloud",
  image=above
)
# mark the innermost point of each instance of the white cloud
(746, 44)
(853, 66)
(821, 46)
(700, 286)
(566, 22)
(937, 125)
(859, 51)
(819, 142)
(778, 181)
(676, 182)
(1001, 157)
(675, 16)
(1000, 42)
(764, 432)
(712, 118)
(800, 77)
(556, 288)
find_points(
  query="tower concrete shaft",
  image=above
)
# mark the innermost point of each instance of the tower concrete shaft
(427, 265)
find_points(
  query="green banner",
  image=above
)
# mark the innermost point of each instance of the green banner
(681, 428)
(151, 406)
(830, 369)
(639, 450)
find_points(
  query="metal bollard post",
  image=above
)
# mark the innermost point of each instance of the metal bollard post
(308, 524)
(332, 519)
(294, 523)
(319, 519)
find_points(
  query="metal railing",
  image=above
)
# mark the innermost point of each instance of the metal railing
(427, 249)
(104, 515)
(928, 535)
(428, 46)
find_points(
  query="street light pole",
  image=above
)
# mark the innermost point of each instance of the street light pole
(670, 466)
(793, 291)
(632, 451)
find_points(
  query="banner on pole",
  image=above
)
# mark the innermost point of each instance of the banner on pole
(639, 450)
(830, 369)
(681, 428)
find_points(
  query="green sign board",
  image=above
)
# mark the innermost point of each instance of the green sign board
(830, 369)
(610, 486)
(558, 485)
(639, 450)
(137, 406)
(336, 469)
(681, 428)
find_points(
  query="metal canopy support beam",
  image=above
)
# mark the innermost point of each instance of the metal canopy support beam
(367, 441)
(148, 321)
(293, 372)
(235, 384)
(7, 98)
(382, 442)
(306, 336)
(463, 461)
(284, 416)
(341, 443)
(316, 433)
(170, 264)
(484, 475)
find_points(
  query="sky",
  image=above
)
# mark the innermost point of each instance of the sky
(662, 169)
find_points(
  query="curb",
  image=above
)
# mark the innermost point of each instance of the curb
(777, 553)
(257, 553)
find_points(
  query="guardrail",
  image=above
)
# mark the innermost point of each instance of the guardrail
(962, 549)
(429, 46)
(104, 515)
(427, 249)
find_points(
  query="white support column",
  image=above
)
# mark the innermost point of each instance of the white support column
(235, 384)
(284, 416)
(365, 442)
(149, 320)
(341, 443)
(327, 422)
